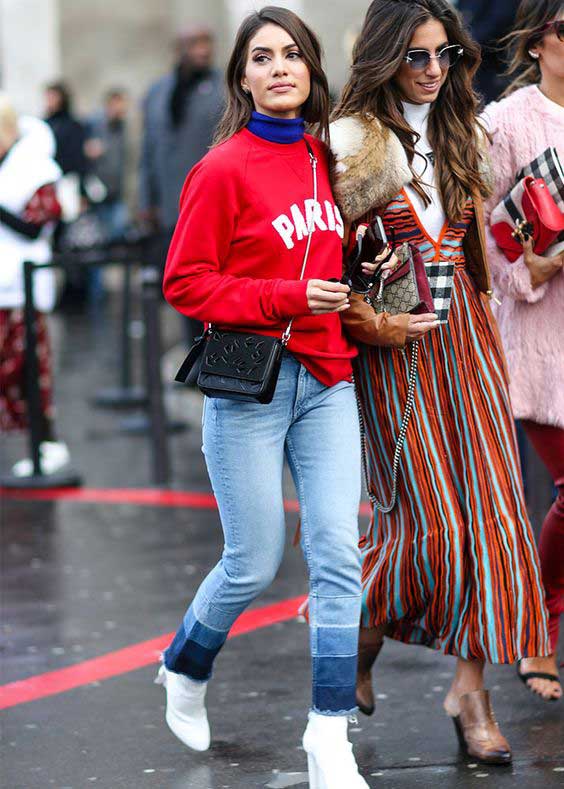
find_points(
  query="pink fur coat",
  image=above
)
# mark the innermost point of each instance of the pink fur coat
(531, 321)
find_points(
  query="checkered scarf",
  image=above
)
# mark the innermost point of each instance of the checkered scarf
(548, 167)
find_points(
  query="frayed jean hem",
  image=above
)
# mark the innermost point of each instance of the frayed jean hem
(333, 713)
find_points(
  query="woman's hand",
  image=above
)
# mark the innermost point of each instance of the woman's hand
(419, 325)
(324, 297)
(542, 269)
(368, 268)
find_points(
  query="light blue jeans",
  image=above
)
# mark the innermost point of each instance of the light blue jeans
(316, 428)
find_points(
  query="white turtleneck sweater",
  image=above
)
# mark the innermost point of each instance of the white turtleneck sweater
(433, 216)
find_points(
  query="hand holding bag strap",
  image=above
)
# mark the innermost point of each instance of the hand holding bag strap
(412, 381)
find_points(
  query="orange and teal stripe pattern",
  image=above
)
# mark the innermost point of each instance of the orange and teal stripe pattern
(454, 565)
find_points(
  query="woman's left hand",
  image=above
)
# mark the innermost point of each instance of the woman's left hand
(369, 268)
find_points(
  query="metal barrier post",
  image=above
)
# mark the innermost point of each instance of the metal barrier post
(33, 394)
(151, 279)
(125, 395)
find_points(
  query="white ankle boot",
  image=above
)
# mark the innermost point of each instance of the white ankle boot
(186, 713)
(330, 760)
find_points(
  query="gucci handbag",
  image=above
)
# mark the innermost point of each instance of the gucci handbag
(407, 288)
(243, 366)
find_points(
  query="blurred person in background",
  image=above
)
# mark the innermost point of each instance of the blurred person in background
(29, 210)
(524, 124)
(107, 149)
(70, 137)
(70, 133)
(489, 21)
(180, 113)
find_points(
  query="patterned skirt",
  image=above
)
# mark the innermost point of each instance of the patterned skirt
(13, 404)
(454, 565)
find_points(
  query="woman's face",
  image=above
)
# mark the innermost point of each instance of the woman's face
(551, 54)
(422, 86)
(276, 74)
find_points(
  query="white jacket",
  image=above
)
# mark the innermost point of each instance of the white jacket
(28, 166)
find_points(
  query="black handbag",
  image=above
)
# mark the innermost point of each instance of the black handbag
(238, 366)
(242, 366)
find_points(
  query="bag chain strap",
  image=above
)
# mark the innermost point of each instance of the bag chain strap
(410, 401)
(313, 160)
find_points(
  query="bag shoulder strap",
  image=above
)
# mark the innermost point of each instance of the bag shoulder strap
(313, 162)
(410, 401)
(309, 148)
(193, 355)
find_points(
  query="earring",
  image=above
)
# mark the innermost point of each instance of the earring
(247, 90)
(534, 55)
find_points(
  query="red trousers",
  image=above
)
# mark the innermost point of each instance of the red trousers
(548, 442)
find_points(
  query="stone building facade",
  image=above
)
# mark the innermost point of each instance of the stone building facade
(95, 44)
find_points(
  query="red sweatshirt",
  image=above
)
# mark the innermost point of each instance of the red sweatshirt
(237, 251)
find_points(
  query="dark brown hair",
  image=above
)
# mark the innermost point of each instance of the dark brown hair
(239, 107)
(531, 16)
(64, 93)
(454, 129)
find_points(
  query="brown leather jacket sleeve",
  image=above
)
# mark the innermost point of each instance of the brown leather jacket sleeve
(364, 325)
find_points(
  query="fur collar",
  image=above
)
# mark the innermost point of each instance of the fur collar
(370, 165)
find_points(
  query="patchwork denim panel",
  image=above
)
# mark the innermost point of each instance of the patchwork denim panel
(336, 701)
(335, 671)
(336, 641)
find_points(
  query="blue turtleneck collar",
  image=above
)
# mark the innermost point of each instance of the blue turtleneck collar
(282, 130)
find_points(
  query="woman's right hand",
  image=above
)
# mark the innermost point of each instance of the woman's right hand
(324, 297)
(368, 268)
(419, 325)
(542, 269)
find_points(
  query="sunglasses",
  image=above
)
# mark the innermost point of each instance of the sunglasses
(419, 59)
(557, 25)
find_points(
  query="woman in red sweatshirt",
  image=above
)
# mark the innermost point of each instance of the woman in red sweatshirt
(235, 261)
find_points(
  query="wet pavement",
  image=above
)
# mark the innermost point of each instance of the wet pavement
(83, 579)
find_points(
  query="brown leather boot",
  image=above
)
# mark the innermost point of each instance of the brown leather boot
(369, 645)
(478, 731)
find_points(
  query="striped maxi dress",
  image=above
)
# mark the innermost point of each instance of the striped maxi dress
(454, 566)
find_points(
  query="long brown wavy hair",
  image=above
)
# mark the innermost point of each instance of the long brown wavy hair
(240, 105)
(454, 128)
(531, 16)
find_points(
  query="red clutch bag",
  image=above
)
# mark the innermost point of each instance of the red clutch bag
(529, 209)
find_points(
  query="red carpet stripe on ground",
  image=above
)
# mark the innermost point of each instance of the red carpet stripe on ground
(130, 658)
(151, 497)
(147, 497)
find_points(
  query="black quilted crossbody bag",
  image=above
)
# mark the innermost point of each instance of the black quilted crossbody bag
(240, 366)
